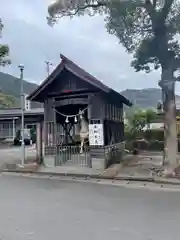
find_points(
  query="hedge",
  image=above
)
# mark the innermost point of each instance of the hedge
(148, 135)
(148, 140)
(143, 145)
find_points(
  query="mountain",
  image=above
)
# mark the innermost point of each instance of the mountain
(10, 93)
(146, 98)
(10, 90)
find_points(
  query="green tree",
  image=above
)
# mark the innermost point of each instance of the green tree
(150, 115)
(148, 29)
(7, 101)
(136, 121)
(4, 50)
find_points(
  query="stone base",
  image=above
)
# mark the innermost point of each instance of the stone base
(98, 163)
(49, 161)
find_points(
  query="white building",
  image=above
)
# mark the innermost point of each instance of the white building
(27, 103)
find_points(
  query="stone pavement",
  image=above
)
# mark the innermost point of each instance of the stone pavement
(135, 168)
(11, 156)
(142, 165)
(115, 172)
(126, 169)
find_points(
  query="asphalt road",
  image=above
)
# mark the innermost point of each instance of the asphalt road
(43, 209)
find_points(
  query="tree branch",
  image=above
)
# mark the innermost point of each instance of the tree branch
(166, 8)
(58, 9)
(177, 79)
(151, 9)
(175, 64)
(80, 8)
(154, 3)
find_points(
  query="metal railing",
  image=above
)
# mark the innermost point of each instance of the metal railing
(55, 133)
(70, 155)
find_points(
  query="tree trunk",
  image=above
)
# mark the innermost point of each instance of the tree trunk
(170, 133)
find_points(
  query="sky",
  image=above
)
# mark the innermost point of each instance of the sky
(82, 39)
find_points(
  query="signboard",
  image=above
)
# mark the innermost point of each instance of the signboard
(96, 135)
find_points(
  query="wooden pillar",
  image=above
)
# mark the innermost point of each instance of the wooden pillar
(39, 142)
(14, 127)
(49, 133)
(96, 142)
(96, 133)
(54, 126)
(49, 122)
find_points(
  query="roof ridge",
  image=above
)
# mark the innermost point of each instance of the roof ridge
(78, 71)
(86, 74)
(70, 61)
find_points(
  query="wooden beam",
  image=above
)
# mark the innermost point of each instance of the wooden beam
(82, 95)
(67, 92)
(73, 101)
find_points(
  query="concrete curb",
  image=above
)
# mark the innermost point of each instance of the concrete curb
(80, 175)
(99, 177)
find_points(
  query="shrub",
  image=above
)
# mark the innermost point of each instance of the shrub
(156, 145)
(141, 144)
(129, 145)
(154, 134)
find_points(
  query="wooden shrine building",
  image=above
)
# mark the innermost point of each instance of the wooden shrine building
(72, 97)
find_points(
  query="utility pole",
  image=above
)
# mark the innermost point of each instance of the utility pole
(48, 64)
(21, 67)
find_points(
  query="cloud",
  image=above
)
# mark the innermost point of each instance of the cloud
(82, 39)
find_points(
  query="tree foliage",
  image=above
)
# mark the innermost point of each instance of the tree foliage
(150, 115)
(61, 8)
(137, 121)
(4, 50)
(147, 29)
(7, 101)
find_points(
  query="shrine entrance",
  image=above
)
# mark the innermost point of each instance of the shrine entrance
(83, 118)
(68, 125)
